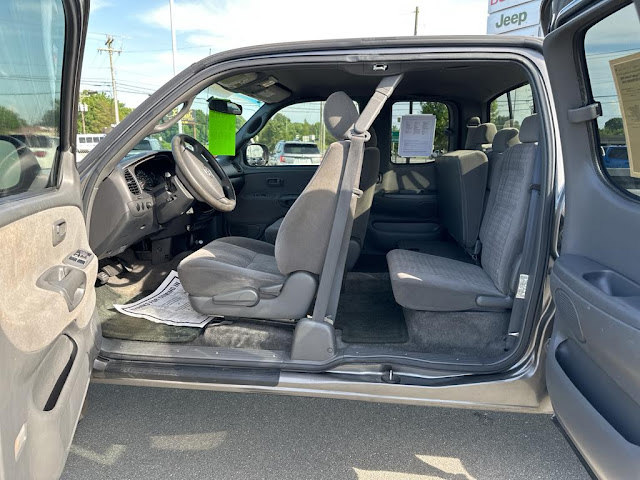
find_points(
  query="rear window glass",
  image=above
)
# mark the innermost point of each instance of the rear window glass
(301, 149)
(509, 109)
(614, 37)
(441, 139)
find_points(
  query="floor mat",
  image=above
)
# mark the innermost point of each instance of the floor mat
(368, 312)
(124, 327)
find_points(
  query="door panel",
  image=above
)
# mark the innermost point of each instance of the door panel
(48, 332)
(594, 353)
(47, 341)
(266, 196)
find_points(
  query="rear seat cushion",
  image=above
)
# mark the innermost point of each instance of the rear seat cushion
(426, 282)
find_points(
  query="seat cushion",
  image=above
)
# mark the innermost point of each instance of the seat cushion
(271, 232)
(426, 282)
(229, 264)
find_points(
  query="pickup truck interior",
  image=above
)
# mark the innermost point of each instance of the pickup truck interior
(439, 250)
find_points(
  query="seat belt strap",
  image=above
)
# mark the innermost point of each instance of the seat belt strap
(528, 254)
(335, 259)
(336, 256)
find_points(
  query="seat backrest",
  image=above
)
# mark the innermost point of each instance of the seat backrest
(503, 225)
(505, 138)
(303, 237)
(479, 135)
(461, 177)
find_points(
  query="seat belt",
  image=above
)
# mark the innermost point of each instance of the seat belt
(528, 254)
(335, 259)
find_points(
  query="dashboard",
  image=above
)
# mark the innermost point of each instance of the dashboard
(143, 197)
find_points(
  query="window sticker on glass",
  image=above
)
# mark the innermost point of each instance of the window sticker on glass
(626, 75)
(416, 135)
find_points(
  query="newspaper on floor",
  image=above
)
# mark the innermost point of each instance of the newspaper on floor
(168, 304)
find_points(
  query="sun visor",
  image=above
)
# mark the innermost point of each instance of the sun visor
(222, 126)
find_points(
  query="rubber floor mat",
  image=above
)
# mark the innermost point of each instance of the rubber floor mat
(370, 316)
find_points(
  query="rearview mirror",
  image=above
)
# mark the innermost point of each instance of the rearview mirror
(256, 154)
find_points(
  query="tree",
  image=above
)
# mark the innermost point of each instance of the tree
(9, 121)
(614, 126)
(441, 111)
(100, 113)
(499, 120)
(51, 118)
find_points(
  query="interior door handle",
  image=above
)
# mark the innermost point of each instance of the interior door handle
(275, 182)
(69, 282)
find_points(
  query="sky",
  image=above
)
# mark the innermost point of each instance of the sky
(141, 29)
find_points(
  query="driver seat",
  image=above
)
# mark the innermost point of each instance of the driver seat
(238, 276)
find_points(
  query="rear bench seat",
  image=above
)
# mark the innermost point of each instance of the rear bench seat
(430, 283)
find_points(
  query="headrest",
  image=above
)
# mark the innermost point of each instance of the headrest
(340, 114)
(505, 138)
(481, 135)
(530, 129)
(473, 122)
(373, 140)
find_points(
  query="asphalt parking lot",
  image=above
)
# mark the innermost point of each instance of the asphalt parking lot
(151, 433)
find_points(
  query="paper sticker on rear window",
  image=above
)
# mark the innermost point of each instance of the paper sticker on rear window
(626, 75)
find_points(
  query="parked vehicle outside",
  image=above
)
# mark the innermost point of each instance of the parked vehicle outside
(85, 142)
(616, 156)
(43, 147)
(296, 153)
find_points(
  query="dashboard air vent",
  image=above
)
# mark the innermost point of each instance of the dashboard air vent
(132, 184)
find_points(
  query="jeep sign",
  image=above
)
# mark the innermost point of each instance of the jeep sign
(513, 16)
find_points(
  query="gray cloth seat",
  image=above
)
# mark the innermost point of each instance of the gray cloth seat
(505, 138)
(426, 282)
(232, 258)
(462, 182)
(368, 180)
(479, 135)
(250, 278)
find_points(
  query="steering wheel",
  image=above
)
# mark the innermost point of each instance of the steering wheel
(199, 171)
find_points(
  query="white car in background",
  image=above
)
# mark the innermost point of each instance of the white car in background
(85, 142)
(296, 153)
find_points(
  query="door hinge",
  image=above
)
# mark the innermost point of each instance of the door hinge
(585, 113)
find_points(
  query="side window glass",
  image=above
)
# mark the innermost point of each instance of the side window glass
(441, 139)
(296, 135)
(615, 38)
(509, 109)
(30, 103)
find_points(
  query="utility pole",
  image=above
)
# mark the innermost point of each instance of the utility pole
(110, 50)
(173, 49)
(415, 23)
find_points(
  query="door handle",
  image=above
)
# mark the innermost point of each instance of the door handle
(69, 282)
(275, 182)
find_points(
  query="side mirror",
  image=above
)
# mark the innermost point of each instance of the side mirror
(256, 154)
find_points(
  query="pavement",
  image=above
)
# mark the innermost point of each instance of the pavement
(152, 433)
